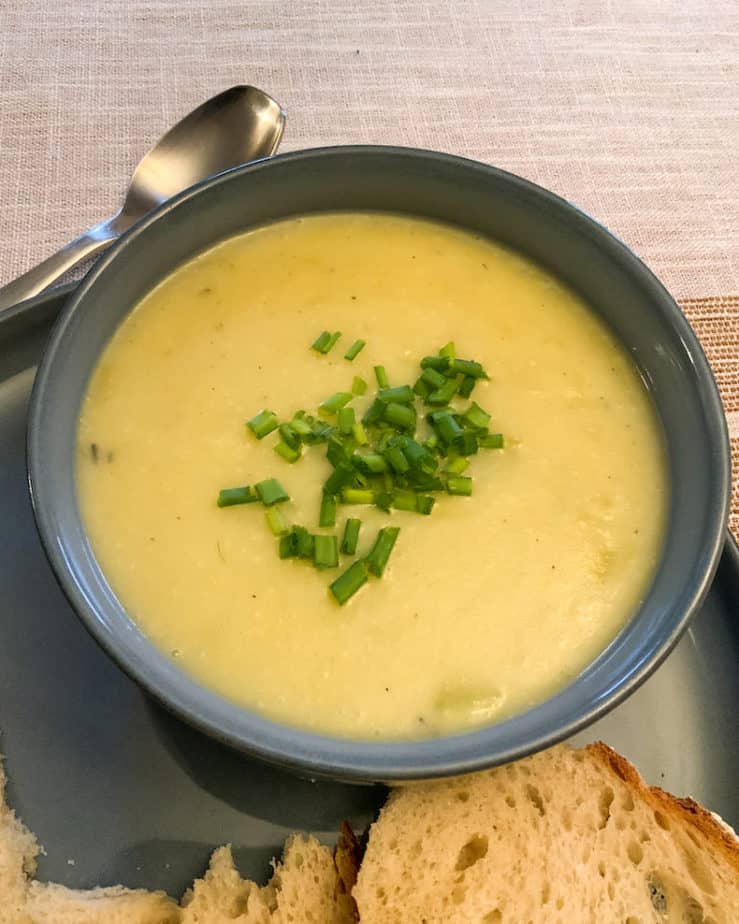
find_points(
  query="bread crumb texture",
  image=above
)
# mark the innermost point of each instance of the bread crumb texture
(565, 836)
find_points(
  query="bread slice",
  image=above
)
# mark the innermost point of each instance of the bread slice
(305, 889)
(570, 836)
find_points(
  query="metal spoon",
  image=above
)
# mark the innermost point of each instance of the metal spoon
(238, 125)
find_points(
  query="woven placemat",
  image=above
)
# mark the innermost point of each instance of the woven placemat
(716, 323)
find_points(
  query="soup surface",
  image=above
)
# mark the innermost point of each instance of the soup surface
(488, 605)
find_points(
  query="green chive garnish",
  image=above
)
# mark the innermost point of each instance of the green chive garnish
(397, 460)
(348, 583)
(444, 394)
(327, 515)
(304, 542)
(446, 427)
(401, 415)
(404, 500)
(491, 441)
(354, 350)
(325, 341)
(325, 551)
(289, 435)
(422, 388)
(424, 504)
(263, 424)
(466, 444)
(357, 496)
(448, 350)
(289, 455)
(401, 394)
(271, 492)
(229, 497)
(277, 521)
(341, 476)
(333, 405)
(468, 367)
(299, 426)
(457, 465)
(384, 500)
(288, 547)
(370, 462)
(433, 378)
(467, 386)
(476, 417)
(381, 376)
(359, 434)
(440, 363)
(359, 386)
(378, 557)
(345, 420)
(351, 536)
(460, 485)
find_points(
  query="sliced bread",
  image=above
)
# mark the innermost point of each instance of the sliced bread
(566, 836)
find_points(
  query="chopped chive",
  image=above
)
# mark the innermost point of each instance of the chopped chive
(271, 492)
(404, 500)
(304, 542)
(440, 363)
(384, 500)
(288, 454)
(388, 482)
(341, 476)
(467, 386)
(351, 536)
(476, 416)
(277, 521)
(444, 394)
(381, 376)
(422, 388)
(397, 459)
(378, 557)
(422, 482)
(466, 443)
(320, 344)
(354, 350)
(357, 496)
(263, 424)
(333, 405)
(370, 462)
(401, 394)
(348, 583)
(468, 367)
(359, 434)
(300, 426)
(359, 386)
(446, 427)
(327, 515)
(325, 551)
(425, 504)
(325, 341)
(336, 452)
(419, 458)
(288, 547)
(229, 497)
(431, 442)
(289, 435)
(460, 485)
(401, 415)
(374, 413)
(433, 378)
(448, 350)
(491, 441)
(457, 465)
(345, 420)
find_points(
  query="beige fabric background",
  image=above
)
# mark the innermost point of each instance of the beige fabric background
(629, 108)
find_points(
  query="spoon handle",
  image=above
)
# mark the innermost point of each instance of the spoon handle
(52, 268)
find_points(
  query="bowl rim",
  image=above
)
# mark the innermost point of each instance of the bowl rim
(324, 756)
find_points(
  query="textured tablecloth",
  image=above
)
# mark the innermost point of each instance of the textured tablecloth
(629, 109)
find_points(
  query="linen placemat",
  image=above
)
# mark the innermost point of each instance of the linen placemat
(628, 109)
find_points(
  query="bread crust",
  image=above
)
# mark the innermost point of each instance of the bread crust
(684, 810)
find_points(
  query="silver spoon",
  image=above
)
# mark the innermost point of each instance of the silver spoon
(238, 125)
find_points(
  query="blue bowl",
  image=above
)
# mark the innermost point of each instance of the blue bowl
(629, 299)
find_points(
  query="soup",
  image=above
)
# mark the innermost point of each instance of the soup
(488, 604)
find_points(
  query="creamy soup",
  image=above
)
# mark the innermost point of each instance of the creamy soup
(489, 604)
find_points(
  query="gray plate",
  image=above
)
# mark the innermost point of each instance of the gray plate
(117, 790)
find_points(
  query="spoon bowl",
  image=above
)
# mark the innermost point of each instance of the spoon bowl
(241, 124)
